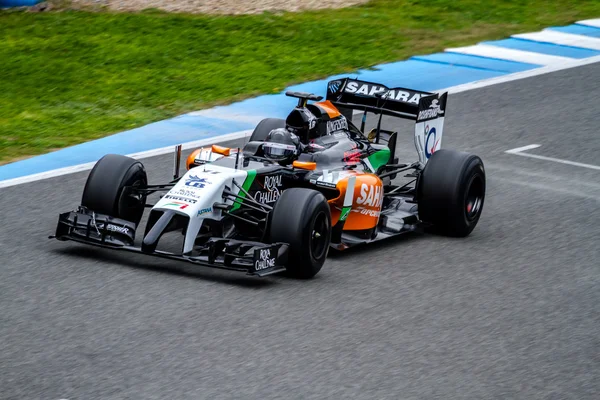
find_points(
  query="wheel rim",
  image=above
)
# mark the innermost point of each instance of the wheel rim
(318, 236)
(474, 198)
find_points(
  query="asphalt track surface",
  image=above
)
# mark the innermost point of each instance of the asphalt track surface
(509, 312)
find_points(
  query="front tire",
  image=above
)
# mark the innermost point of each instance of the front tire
(302, 218)
(103, 192)
(451, 192)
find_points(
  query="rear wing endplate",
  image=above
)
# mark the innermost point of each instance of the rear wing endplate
(430, 125)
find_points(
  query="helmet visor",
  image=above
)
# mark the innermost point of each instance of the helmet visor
(279, 151)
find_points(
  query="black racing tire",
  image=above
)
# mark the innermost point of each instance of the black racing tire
(451, 192)
(105, 183)
(302, 218)
(264, 127)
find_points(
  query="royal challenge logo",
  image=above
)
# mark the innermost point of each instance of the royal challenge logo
(271, 192)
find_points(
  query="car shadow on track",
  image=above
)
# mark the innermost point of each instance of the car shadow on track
(166, 267)
(378, 246)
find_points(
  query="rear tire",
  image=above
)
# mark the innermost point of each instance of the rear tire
(451, 192)
(104, 188)
(264, 127)
(301, 217)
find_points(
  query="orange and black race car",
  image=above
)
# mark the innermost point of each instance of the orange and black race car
(298, 187)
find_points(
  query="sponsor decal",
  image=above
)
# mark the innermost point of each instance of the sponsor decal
(265, 259)
(334, 86)
(204, 211)
(370, 213)
(179, 198)
(364, 88)
(333, 176)
(326, 184)
(187, 193)
(370, 195)
(271, 193)
(272, 182)
(115, 228)
(268, 197)
(280, 146)
(367, 89)
(177, 204)
(337, 125)
(403, 96)
(430, 141)
(433, 111)
(312, 120)
(196, 182)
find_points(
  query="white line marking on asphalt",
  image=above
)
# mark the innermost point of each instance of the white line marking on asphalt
(562, 39)
(552, 188)
(486, 50)
(520, 75)
(590, 22)
(524, 148)
(236, 135)
(519, 151)
(544, 175)
(144, 154)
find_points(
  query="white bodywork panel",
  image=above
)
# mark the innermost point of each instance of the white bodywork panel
(195, 194)
(430, 125)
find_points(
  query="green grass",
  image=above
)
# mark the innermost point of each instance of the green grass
(72, 76)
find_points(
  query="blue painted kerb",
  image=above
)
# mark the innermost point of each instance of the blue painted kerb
(18, 3)
(429, 73)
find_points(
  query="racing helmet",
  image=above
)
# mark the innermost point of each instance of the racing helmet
(303, 123)
(281, 146)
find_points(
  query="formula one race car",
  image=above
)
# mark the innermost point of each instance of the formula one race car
(297, 188)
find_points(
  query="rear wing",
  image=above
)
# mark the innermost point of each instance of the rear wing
(425, 108)
(374, 97)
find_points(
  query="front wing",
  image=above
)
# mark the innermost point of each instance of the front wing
(254, 258)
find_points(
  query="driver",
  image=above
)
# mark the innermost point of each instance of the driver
(282, 146)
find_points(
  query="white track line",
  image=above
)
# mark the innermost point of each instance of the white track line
(519, 152)
(558, 188)
(503, 53)
(561, 38)
(237, 135)
(520, 75)
(595, 23)
(524, 148)
(144, 154)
